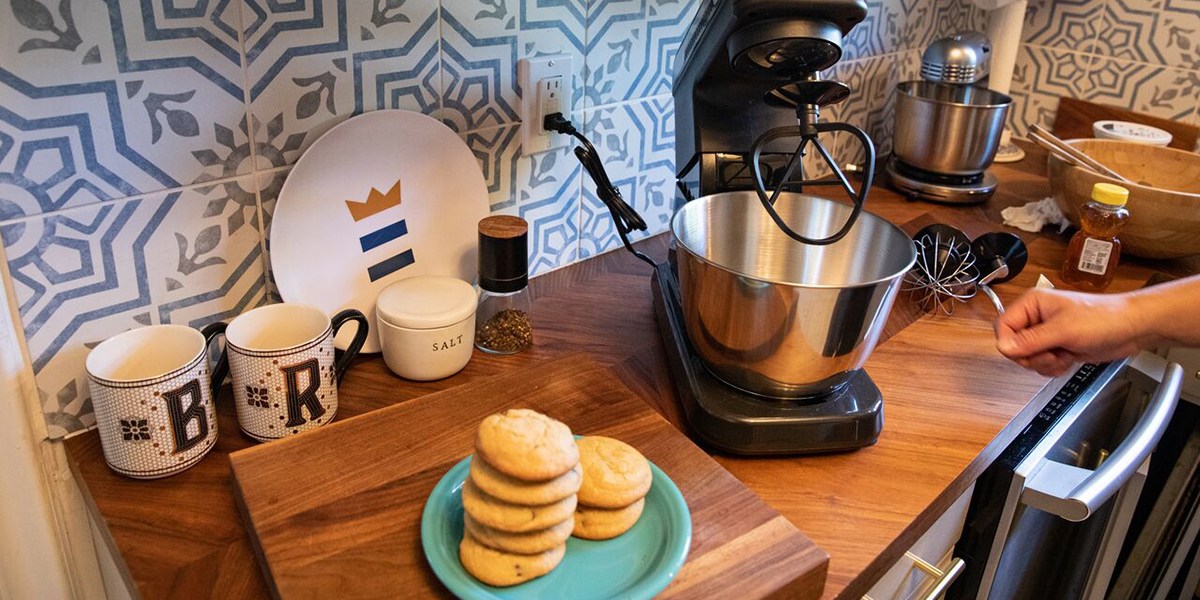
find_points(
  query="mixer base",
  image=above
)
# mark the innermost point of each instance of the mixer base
(940, 191)
(737, 422)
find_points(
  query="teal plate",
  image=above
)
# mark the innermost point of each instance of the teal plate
(637, 564)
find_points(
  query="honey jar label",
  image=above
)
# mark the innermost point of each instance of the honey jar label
(1095, 255)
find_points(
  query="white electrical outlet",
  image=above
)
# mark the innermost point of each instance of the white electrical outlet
(545, 89)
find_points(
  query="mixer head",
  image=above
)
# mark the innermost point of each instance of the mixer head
(962, 58)
(746, 67)
(785, 48)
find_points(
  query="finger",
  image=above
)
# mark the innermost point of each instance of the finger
(1049, 364)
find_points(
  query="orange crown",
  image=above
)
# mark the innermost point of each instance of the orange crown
(375, 204)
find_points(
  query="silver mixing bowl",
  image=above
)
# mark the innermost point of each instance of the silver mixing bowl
(948, 129)
(775, 317)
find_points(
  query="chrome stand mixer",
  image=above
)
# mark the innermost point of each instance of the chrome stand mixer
(763, 367)
(947, 126)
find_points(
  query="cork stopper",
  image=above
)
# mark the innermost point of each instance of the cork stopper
(503, 253)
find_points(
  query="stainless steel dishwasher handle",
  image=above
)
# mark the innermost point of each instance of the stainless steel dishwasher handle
(1074, 493)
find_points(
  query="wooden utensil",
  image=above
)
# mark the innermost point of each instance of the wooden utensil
(336, 512)
(1054, 144)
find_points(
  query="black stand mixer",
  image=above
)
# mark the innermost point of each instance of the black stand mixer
(772, 298)
(748, 82)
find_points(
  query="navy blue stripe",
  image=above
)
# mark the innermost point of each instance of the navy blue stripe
(383, 269)
(382, 236)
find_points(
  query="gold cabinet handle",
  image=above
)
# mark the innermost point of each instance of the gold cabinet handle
(944, 579)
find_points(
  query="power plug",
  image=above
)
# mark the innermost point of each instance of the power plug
(545, 89)
(549, 93)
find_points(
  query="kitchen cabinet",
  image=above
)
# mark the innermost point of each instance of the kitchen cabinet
(909, 578)
(1190, 359)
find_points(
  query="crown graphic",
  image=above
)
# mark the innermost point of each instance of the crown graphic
(375, 204)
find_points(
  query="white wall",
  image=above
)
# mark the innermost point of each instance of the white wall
(35, 538)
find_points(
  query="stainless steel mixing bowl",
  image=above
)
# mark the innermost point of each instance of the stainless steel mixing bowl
(775, 317)
(948, 129)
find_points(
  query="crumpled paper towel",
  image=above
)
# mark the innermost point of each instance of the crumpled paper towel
(1035, 215)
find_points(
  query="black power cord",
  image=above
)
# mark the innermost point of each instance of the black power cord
(624, 216)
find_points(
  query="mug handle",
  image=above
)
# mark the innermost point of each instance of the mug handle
(210, 332)
(356, 344)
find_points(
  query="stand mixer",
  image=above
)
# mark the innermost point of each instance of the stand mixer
(763, 367)
(947, 126)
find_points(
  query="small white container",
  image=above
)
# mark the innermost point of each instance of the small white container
(427, 326)
(1125, 131)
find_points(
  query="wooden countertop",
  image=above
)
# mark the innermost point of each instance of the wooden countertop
(183, 536)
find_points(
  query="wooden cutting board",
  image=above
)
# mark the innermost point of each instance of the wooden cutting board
(336, 512)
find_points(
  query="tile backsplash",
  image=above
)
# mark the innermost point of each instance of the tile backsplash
(1141, 55)
(143, 143)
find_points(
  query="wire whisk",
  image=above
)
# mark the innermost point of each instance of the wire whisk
(950, 268)
(945, 272)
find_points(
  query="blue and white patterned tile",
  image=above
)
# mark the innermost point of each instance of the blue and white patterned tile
(862, 41)
(631, 48)
(1127, 31)
(1154, 90)
(133, 104)
(309, 71)
(871, 105)
(1177, 37)
(904, 24)
(1063, 24)
(543, 189)
(954, 16)
(479, 64)
(481, 42)
(207, 263)
(79, 277)
(1042, 76)
(498, 151)
(82, 275)
(270, 183)
(637, 144)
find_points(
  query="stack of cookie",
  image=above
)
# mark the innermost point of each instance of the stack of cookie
(616, 479)
(520, 497)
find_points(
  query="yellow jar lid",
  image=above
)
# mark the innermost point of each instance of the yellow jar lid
(1107, 193)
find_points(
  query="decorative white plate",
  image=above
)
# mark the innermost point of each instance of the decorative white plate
(383, 196)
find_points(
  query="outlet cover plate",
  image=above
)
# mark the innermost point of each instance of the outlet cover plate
(531, 71)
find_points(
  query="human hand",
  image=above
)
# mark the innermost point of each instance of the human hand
(1049, 330)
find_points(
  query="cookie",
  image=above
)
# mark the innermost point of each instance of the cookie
(514, 518)
(615, 474)
(533, 542)
(500, 569)
(605, 523)
(515, 491)
(527, 445)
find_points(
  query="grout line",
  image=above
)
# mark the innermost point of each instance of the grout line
(441, 77)
(1103, 57)
(140, 196)
(255, 172)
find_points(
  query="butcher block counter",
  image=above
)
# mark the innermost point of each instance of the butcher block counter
(951, 404)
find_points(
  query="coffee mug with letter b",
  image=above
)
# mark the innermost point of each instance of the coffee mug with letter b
(285, 377)
(153, 397)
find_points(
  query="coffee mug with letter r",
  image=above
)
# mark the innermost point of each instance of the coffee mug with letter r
(285, 375)
(153, 395)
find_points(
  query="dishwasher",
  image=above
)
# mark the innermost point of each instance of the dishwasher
(1049, 516)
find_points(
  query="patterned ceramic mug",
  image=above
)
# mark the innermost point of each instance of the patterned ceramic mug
(285, 376)
(154, 398)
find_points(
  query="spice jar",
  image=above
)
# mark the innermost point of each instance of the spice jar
(502, 324)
